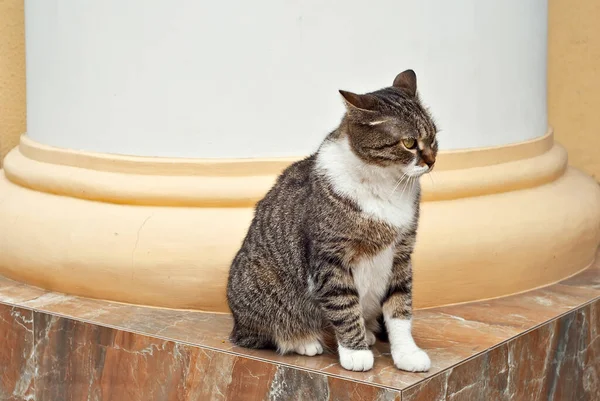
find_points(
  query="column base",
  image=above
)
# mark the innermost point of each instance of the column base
(162, 232)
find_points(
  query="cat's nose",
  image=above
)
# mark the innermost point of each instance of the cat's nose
(429, 161)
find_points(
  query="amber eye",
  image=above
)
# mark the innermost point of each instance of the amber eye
(409, 143)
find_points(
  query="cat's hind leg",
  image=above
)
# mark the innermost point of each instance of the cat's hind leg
(371, 338)
(300, 329)
(309, 346)
(250, 339)
(376, 330)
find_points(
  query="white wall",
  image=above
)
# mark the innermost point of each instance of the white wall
(237, 78)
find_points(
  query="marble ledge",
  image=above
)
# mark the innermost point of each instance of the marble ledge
(497, 348)
(557, 361)
(50, 358)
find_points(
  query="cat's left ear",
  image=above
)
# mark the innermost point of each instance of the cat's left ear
(407, 81)
(356, 102)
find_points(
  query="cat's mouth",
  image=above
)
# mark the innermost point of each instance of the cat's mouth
(417, 171)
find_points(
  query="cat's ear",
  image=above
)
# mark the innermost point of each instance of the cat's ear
(407, 81)
(358, 102)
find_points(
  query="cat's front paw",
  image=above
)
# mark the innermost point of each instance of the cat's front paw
(358, 360)
(411, 360)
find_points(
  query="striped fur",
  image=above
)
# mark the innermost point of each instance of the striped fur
(329, 248)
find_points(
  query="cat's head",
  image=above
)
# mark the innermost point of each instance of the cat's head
(390, 127)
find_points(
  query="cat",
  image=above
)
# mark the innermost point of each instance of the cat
(329, 247)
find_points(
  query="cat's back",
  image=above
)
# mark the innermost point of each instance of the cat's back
(272, 254)
(276, 230)
(291, 187)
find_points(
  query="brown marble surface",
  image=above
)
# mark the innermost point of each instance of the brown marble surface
(79, 361)
(557, 361)
(456, 338)
(17, 364)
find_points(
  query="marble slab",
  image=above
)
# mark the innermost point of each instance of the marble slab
(82, 361)
(17, 363)
(558, 361)
(496, 349)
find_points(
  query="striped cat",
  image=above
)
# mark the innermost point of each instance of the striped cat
(329, 248)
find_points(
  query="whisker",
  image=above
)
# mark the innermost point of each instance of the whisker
(398, 183)
(404, 186)
(409, 185)
(414, 183)
(431, 178)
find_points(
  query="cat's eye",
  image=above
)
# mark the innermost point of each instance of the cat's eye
(409, 143)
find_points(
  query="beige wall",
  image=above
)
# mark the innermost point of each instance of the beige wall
(574, 80)
(12, 74)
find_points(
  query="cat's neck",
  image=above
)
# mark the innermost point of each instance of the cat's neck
(370, 186)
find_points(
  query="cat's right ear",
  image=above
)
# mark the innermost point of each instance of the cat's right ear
(356, 102)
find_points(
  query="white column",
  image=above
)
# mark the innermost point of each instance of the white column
(238, 79)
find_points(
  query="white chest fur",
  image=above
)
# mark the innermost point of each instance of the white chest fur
(382, 193)
(371, 277)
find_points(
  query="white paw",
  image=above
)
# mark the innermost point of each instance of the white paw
(413, 360)
(357, 360)
(371, 338)
(309, 349)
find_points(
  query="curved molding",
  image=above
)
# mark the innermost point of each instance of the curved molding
(146, 237)
(156, 181)
(447, 160)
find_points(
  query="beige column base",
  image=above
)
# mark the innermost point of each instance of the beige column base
(162, 232)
